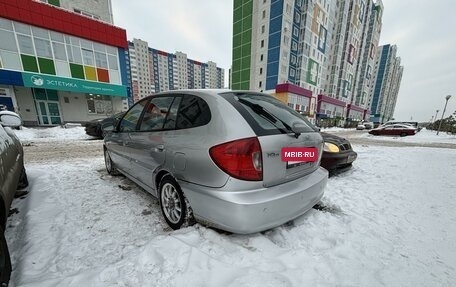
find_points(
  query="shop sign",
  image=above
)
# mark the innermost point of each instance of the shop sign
(73, 85)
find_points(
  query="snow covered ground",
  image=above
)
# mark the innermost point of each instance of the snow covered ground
(389, 221)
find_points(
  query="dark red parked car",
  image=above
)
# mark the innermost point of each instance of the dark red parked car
(394, 130)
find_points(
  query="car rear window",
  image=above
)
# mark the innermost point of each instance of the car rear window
(267, 115)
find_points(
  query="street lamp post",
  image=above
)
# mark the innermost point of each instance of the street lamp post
(443, 113)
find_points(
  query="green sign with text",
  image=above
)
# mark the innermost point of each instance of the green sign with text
(73, 85)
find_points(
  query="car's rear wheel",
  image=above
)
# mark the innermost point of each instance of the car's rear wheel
(403, 134)
(5, 260)
(173, 204)
(110, 168)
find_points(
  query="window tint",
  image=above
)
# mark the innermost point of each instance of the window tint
(155, 114)
(193, 112)
(266, 114)
(131, 118)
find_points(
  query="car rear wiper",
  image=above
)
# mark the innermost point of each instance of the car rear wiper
(270, 117)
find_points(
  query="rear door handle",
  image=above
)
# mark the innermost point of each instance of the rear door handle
(160, 148)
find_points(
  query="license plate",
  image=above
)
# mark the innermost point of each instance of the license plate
(291, 164)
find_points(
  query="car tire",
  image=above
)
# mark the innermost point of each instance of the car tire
(5, 260)
(403, 134)
(173, 204)
(23, 180)
(110, 168)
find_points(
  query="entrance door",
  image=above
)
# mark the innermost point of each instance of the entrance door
(48, 112)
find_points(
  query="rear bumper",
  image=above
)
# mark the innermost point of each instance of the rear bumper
(333, 161)
(256, 210)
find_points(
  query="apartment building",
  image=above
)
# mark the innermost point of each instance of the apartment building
(325, 48)
(153, 71)
(387, 83)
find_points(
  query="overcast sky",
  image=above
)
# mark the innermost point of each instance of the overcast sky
(422, 30)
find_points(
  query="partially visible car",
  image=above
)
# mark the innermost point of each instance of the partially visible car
(360, 127)
(12, 177)
(413, 124)
(215, 156)
(394, 130)
(338, 154)
(99, 127)
(368, 125)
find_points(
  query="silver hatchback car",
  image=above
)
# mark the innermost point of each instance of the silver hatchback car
(214, 156)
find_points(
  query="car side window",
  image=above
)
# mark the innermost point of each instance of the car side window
(170, 122)
(156, 113)
(131, 118)
(193, 112)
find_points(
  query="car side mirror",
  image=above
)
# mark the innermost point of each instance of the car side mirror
(115, 127)
(10, 119)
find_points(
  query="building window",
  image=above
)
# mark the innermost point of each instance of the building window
(262, 43)
(87, 56)
(8, 42)
(59, 51)
(292, 72)
(295, 31)
(261, 57)
(43, 48)
(293, 59)
(262, 29)
(97, 104)
(25, 44)
(260, 84)
(264, 14)
(261, 71)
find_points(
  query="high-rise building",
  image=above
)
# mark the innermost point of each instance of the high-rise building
(152, 71)
(356, 34)
(57, 66)
(325, 47)
(366, 65)
(387, 83)
(276, 42)
(99, 9)
(282, 42)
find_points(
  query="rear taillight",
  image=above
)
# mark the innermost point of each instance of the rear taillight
(240, 158)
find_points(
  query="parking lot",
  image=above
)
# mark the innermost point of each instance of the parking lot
(388, 221)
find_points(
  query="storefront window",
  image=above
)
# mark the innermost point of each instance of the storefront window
(97, 104)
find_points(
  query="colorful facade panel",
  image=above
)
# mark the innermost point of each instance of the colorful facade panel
(37, 50)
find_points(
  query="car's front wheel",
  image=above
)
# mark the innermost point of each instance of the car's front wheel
(173, 203)
(23, 180)
(110, 168)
